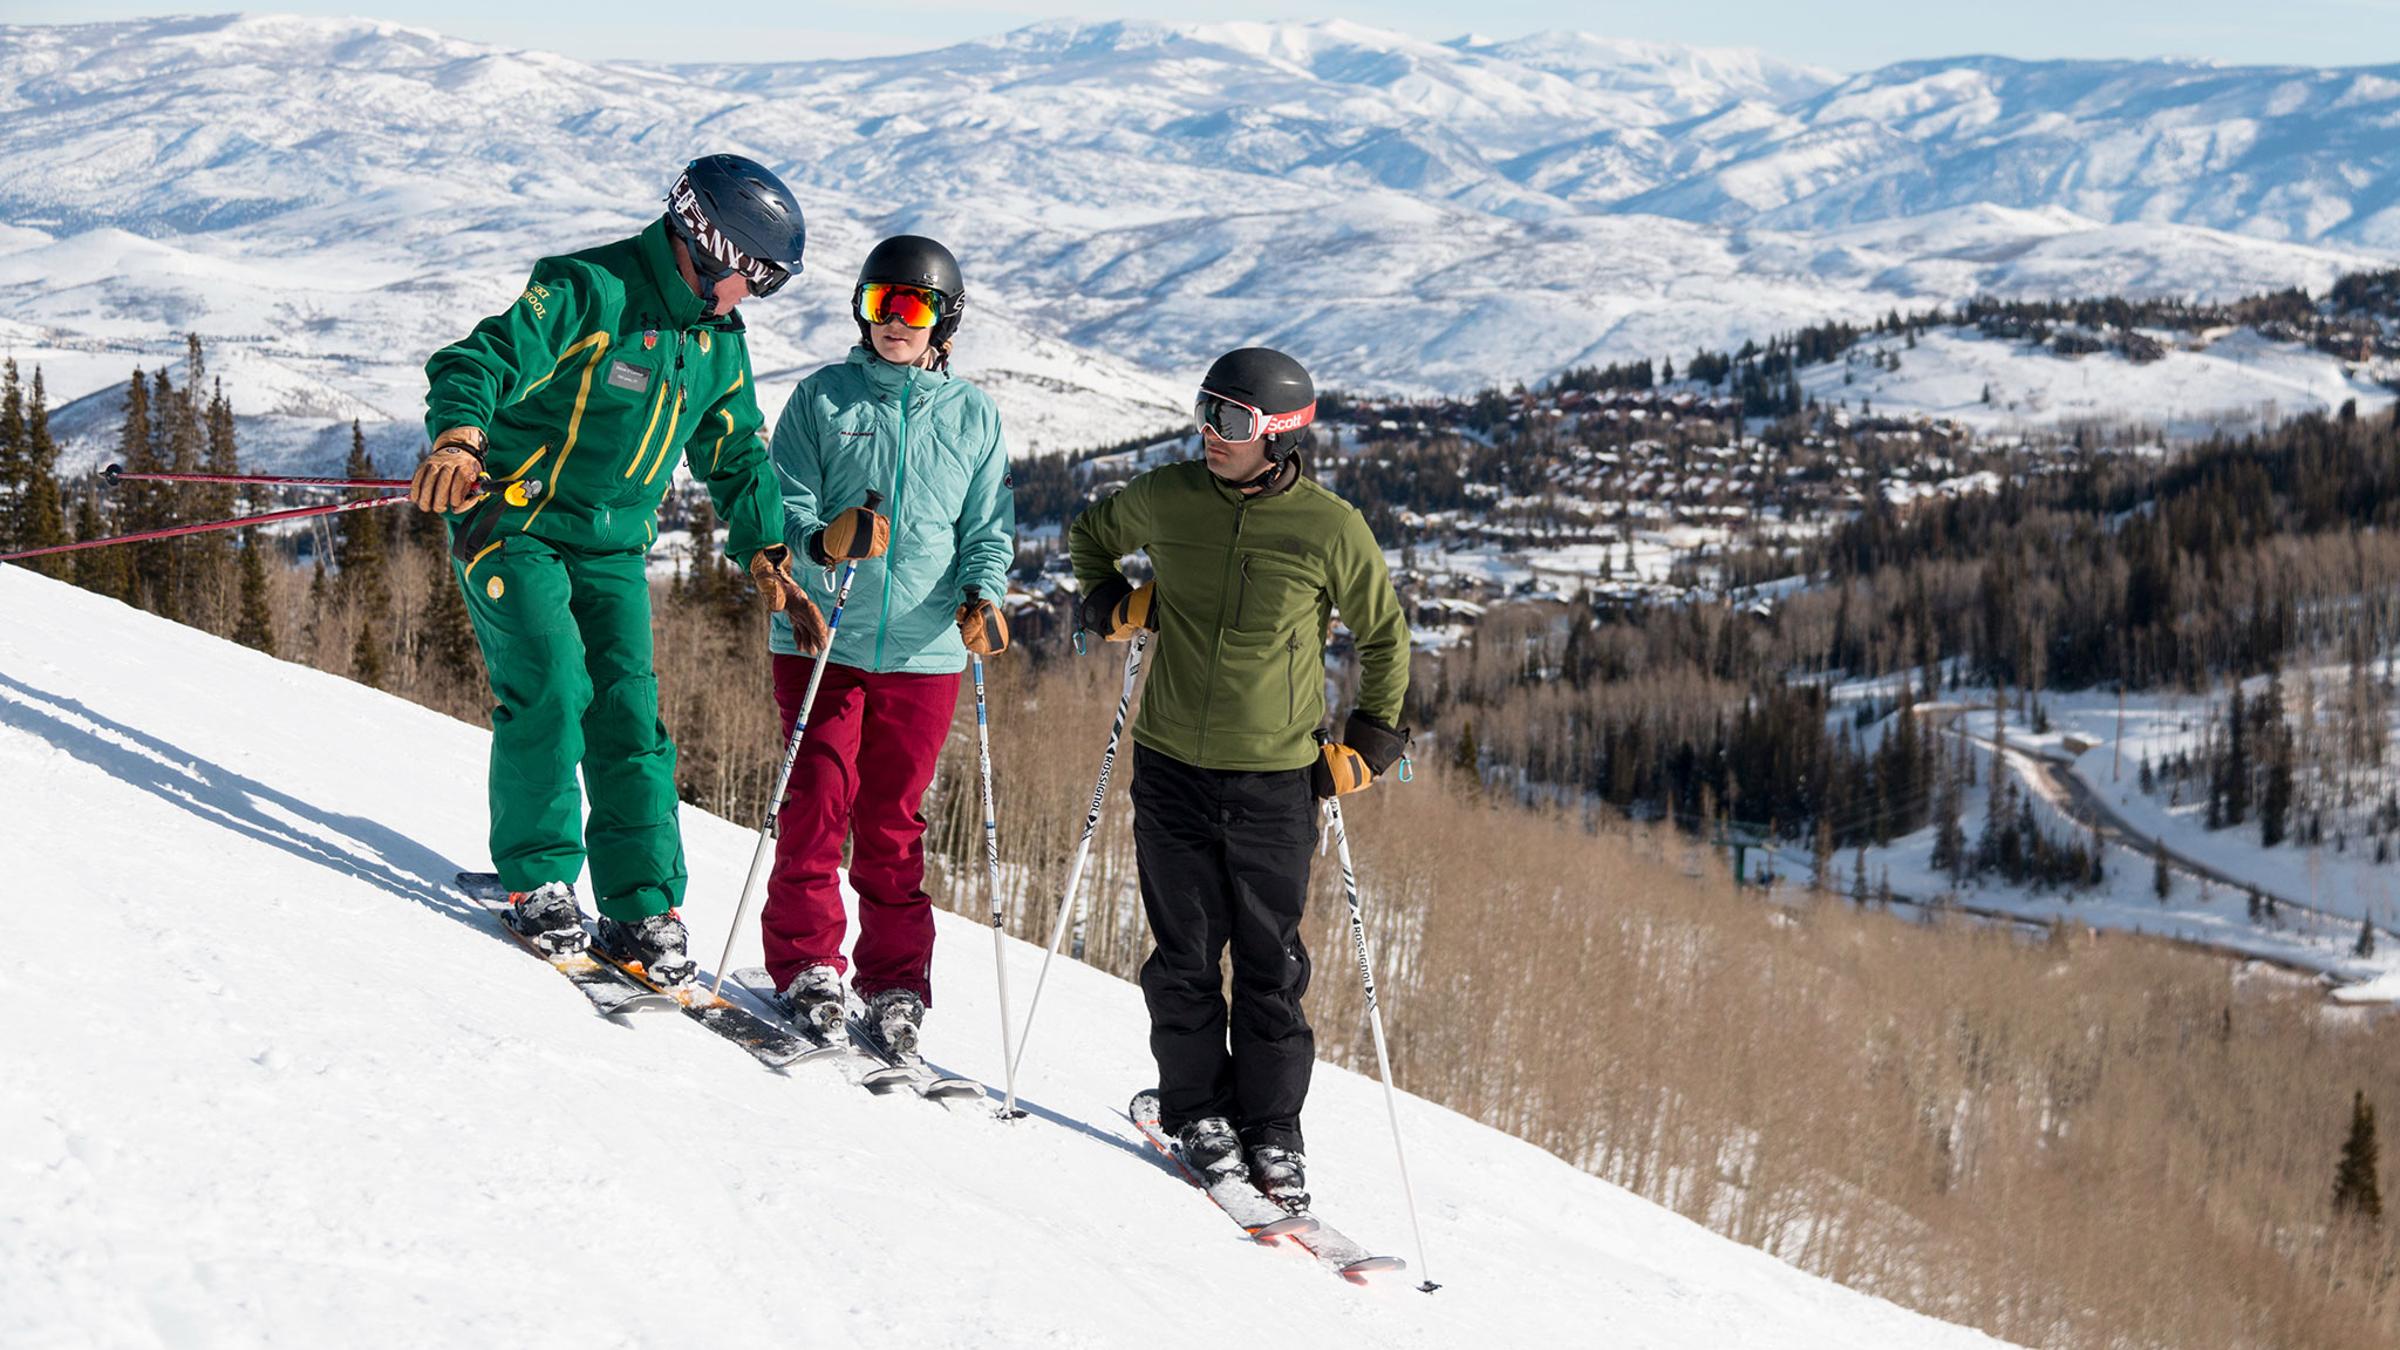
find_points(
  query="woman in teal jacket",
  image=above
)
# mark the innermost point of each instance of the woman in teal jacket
(890, 419)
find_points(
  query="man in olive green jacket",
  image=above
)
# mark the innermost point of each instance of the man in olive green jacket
(555, 426)
(1251, 558)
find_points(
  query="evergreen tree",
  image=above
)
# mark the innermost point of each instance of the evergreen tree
(2356, 1191)
(2365, 946)
(102, 571)
(1467, 757)
(255, 627)
(449, 641)
(12, 453)
(41, 509)
(2161, 880)
(366, 653)
(2275, 799)
(359, 549)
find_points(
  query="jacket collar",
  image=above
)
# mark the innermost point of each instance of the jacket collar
(1294, 470)
(886, 378)
(675, 298)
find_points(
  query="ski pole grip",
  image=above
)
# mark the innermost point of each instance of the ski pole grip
(874, 500)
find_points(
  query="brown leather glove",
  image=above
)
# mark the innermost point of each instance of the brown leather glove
(982, 626)
(859, 532)
(450, 477)
(1366, 749)
(1116, 609)
(771, 568)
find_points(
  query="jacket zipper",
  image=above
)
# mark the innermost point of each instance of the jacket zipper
(883, 617)
(1291, 682)
(1216, 657)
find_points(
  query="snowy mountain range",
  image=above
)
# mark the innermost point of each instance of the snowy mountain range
(296, 1091)
(329, 200)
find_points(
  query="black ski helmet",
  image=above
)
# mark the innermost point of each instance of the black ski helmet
(1276, 385)
(743, 205)
(914, 260)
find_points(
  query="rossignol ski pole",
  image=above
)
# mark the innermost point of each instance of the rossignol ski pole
(768, 832)
(991, 867)
(1383, 1059)
(1083, 849)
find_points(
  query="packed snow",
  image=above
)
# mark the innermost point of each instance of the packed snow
(271, 1083)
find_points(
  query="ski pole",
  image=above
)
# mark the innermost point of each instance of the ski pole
(991, 867)
(773, 828)
(1383, 1059)
(236, 523)
(115, 473)
(1083, 849)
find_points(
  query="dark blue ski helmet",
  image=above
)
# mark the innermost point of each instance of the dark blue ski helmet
(730, 211)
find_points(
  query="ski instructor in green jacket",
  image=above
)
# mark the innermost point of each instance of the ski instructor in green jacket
(1251, 557)
(570, 406)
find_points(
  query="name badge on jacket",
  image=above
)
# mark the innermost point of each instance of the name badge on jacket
(627, 375)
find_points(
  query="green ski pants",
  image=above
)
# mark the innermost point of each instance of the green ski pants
(566, 641)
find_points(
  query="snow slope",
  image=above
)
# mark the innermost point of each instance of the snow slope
(340, 197)
(270, 1084)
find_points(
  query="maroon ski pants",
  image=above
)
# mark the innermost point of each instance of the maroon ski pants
(862, 771)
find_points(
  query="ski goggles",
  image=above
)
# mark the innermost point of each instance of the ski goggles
(715, 257)
(1237, 422)
(908, 306)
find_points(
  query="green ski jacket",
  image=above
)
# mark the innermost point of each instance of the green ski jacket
(606, 366)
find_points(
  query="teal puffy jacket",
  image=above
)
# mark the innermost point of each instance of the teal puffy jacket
(931, 444)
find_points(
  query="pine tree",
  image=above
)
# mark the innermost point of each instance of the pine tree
(102, 571)
(359, 548)
(366, 653)
(255, 627)
(12, 453)
(2237, 761)
(2162, 882)
(449, 642)
(2356, 1191)
(41, 509)
(170, 570)
(2275, 800)
(2365, 946)
(1467, 758)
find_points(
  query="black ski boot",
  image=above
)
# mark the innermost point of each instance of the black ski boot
(814, 998)
(896, 1015)
(1211, 1148)
(549, 918)
(1282, 1173)
(656, 944)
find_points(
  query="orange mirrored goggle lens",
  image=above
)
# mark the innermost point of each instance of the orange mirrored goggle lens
(911, 306)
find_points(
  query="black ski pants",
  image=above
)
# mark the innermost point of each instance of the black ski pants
(1224, 860)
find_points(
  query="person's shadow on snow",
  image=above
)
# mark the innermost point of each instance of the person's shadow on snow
(381, 856)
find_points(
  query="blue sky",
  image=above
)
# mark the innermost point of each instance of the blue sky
(1845, 34)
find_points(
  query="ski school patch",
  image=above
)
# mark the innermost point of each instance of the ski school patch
(495, 588)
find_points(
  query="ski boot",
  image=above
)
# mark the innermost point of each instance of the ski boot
(1211, 1148)
(896, 1015)
(814, 998)
(549, 918)
(1281, 1174)
(656, 944)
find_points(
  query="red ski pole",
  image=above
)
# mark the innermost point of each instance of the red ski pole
(329, 508)
(119, 473)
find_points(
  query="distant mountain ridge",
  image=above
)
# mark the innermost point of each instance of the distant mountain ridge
(341, 196)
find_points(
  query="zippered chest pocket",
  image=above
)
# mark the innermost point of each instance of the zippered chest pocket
(1273, 594)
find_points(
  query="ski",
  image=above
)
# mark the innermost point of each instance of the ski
(949, 1089)
(1259, 1216)
(766, 1042)
(611, 992)
(856, 1065)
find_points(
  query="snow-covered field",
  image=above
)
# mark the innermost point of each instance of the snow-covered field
(2238, 383)
(269, 1083)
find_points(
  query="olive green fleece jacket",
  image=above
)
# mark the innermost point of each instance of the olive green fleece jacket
(1247, 587)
